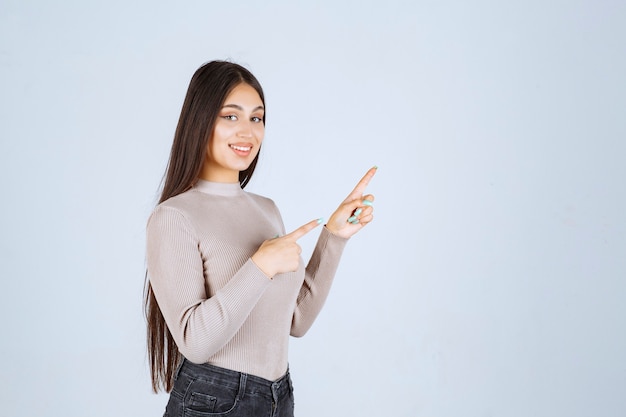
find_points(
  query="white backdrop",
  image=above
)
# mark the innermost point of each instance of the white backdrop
(492, 282)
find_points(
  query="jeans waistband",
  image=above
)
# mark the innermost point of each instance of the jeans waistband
(246, 383)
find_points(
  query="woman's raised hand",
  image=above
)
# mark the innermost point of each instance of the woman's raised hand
(355, 211)
(282, 254)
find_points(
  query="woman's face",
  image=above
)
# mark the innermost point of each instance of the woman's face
(237, 136)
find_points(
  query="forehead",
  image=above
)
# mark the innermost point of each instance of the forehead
(244, 95)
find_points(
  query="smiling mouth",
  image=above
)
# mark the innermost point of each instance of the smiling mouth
(241, 148)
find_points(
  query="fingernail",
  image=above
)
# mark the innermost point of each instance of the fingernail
(375, 167)
(368, 203)
(320, 220)
(358, 211)
(352, 219)
(275, 236)
(355, 221)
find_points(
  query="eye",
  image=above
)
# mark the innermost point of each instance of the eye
(256, 119)
(230, 117)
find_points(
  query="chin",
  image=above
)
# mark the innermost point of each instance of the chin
(243, 165)
(240, 167)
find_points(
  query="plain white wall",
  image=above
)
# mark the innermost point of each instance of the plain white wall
(492, 282)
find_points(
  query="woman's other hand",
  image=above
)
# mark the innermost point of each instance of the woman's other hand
(355, 212)
(282, 254)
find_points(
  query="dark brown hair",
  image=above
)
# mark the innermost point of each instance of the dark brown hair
(208, 89)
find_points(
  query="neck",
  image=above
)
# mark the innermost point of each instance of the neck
(218, 188)
(219, 175)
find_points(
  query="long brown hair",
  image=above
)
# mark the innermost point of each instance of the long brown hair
(208, 89)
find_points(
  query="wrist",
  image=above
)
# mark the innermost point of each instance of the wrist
(259, 266)
(336, 232)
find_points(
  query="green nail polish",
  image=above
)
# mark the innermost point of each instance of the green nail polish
(358, 211)
(320, 220)
(352, 219)
(355, 221)
(367, 203)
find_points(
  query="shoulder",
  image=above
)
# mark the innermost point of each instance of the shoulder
(189, 204)
(259, 198)
(183, 201)
(176, 211)
(265, 203)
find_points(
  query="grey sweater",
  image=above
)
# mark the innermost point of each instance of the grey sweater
(219, 306)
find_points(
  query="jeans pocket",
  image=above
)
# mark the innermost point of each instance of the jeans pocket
(205, 399)
(202, 402)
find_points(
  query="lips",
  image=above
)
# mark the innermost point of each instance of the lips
(241, 148)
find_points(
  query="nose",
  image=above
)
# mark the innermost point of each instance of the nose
(245, 129)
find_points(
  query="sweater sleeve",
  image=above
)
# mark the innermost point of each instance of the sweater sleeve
(318, 278)
(200, 326)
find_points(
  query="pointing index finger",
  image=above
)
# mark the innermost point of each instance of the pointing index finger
(304, 229)
(362, 185)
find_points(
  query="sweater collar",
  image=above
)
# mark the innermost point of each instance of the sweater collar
(227, 189)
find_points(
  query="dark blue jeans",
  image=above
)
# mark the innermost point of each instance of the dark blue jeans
(207, 390)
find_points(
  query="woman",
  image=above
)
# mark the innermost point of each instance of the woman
(226, 285)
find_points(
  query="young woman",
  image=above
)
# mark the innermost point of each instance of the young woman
(226, 286)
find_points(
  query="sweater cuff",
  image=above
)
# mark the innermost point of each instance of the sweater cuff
(332, 242)
(253, 270)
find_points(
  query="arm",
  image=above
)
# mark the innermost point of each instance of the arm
(318, 279)
(354, 213)
(200, 325)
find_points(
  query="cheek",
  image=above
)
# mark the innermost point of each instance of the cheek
(259, 132)
(220, 133)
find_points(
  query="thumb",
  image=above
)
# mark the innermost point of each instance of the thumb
(304, 229)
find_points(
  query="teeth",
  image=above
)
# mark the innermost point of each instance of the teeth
(241, 148)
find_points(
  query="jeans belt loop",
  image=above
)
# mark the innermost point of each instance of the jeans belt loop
(242, 385)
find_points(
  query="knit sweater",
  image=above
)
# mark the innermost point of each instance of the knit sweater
(218, 305)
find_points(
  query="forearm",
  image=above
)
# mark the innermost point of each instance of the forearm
(318, 279)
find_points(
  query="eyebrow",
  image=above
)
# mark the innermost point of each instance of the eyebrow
(238, 107)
